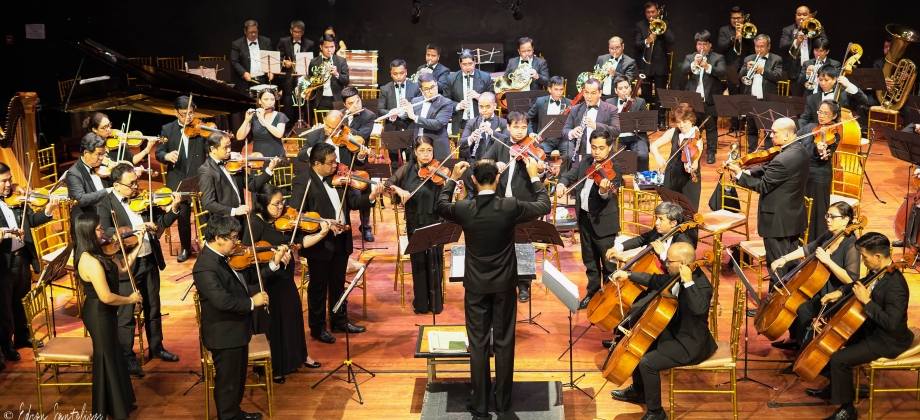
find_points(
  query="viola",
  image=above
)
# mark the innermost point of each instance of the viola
(38, 197)
(132, 139)
(344, 137)
(197, 128)
(308, 222)
(358, 180)
(255, 159)
(433, 171)
(128, 238)
(527, 148)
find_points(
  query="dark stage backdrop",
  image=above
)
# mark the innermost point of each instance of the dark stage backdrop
(569, 34)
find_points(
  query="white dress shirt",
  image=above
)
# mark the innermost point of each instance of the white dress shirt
(699, 84)
(608, 81)
(423, 114)
(12, 223)
(467, 87)
(296, 46)
(553, 108)
(336, 204)
(97, 182)
(592, 114)
(757, 81)
(620, 104)
(136, 220)
(232, 183)
(255, 67)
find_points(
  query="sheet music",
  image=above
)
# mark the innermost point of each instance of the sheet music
(270, 61)
(302, 63)
(203, 72)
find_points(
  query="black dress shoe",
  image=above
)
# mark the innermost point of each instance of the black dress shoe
(785, 346)
(252, 416)
(607, 343)
(164, 356)
(523, 294)
(183, 256)
(584, 302)
(711, 158)
(662, 126)
(279, 380)
(134, 369)
(368, 236)
(628, 394)
(314, 365)
(324, 337)
(132, 407)
(655, 416)
(751, 313)
(844, 413)
(26, 342)
(10, 354)
(352, 328)
(897, 244)
(2, 364)
(822, 393)
(476, 414)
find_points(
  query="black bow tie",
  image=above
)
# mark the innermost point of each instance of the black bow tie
(252, 43)
(590, 107)
(527, 62)
(221, 163)
(488, 120)
(124, 200)
(296, 42)
(621, 101)
(555, 102)
(467, 76)
(401, 86)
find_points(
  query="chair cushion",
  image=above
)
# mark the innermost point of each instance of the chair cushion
(721, 358)
(722, 220)
(911, 356)
(66, 349)
(878, 108)
(849, 200)
(755, 249)
(259, 348)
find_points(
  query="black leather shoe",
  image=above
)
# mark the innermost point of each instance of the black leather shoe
(132, 407)
(711, 158)
(628, 394)
(523, 293)
(784, 345)
(324, 337)
(476, 414)
(2, 364)
(279, 380)
(847, 413)
(10, 354)
(897, 244)
(134, 369)
(352, 328)
(252, 416)
(26, 342)
(368, 236)
(584, 302)
(314, 365)
(183, 256)
(662, 126)
(751, 313)
(822, 393)
(607, 343)
(164, 356)
(655, 416)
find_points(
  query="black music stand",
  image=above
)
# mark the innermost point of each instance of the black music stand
(731, 76)
(554, 131)
(868, 78)
(523, 101)
(679, 199)
(770, 112)
(628, 161)
(189, 185)
(797, 102)
(638, 121)
(540, 232)
(424, 239)
(734, 106)
(490, 53)
(905, 146)
(670, 98)
(378, 170)
(397, 141)
(562, 289)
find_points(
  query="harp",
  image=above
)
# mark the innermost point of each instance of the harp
(19, 139)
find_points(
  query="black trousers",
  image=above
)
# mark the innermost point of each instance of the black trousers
(147, 277)
(711, 128)
(804, 315)
(566, 149)
(661, 82)
(647, 377)
(593, 250)
(365, 214)
(495, 311)
(13, 287)
(638, 145)
(185, 225)
(229, 380)
(327, 278)
(776, 248)
(841, 366)
(325, 102)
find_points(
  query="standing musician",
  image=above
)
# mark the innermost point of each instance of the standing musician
(328, 259)
(587, 117)
(554, 104)
(680, 171)
(434, 66)
(733, 47)
(268, 127)
(781, 216)
(432, 117)
(794, 43)
(244, 58)
(636, 142)
(221, 191)
(538, 68)
(336, 68)
(767, 71)
(100, 124)
(464, 87)
(314, 136)
(685, 341)
(656, 69)
(361, 123)
(488, 222)
(828, 87)
(146, 267)
(884, 331)
(810, 67)
(83, 184)
(392, 94)
(598, 212)
(705, 68)
(290, 46)
(617, 63)
(478, 135)
(820, 174)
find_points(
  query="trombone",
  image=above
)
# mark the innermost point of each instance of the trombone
(658, 27)
(811, 28)
(748, 31)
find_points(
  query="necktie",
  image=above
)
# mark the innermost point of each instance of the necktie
(252, 43)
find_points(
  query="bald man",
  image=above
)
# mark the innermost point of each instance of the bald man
(314, 137)
(619, 65)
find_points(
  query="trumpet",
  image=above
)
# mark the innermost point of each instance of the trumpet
(658, 27)
(749, 77)
(748, 31)
(697, 66)
(812, 78)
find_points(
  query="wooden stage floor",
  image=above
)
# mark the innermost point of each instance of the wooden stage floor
(387, 348)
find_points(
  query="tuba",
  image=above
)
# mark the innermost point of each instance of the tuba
(748, 31)
(903, 72)
(657, 27)
(519, 79)
(319, 75)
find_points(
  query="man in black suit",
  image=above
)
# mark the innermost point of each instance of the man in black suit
(433, 65)
(244, 58)
(618, 64)
(768, 69)
(598, 212)
(588, 116)
(810, 67)
(478, 135)
(795, 47)
(147, 266)
(539, 71)
(290, 46)
(432, 117)
(392, 94)
(332, 121)
(638, 141)
(705, 69)
(226, 324)
(488, 222)
(361, 123)
(337, 70)
(730, 38)
(781, 216)
(328, 259)
(182, 157)
(685, 341)
(655, 67)
(553, 104)
(463, 88)
(221, 191)
(83, 185)
(828, 85)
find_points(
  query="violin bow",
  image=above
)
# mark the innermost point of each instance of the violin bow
(594, 168)
(438, 168)
(123, 141)
(247, 198)
(22, 223)
(303, 201)
(124, 254)
(840, 74)
(511, 151)
(687, 140)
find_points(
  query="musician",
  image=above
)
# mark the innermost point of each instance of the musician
(781, 216)
(336, 68)
(338, 48)
(433, 64)
(182, 156)
(488, 222)
(392, 94)
(268, 127)
(100, 124)
(729, 38)
(331, 124)
(83, 184)
(221, 191)
(598, 212)
(828, 87)
(226, 323)
(706, 81)
(17, 262)
(478, 135)
(884, 331)
(668, 215)
(617, 64)
(840, 258)
(767, 71)
(361, 123)
(146, 268)
(678, 175)
(820, 151)
(539, 71)
(686, 339)
(821, 49)
(796, 46)
(638, 141)
(655, 67)
(432, 117)
(328, 259)
(588, 116)
(245, 59)
(553, 104)
(290, 46)
(463, 88)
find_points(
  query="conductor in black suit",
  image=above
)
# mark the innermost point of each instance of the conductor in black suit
(539, 71)
(636, 142)
(434, 66)
(781, 215)
(768, 69)
(705, 69)
(796, 48)
(655, 66)
(83, 185)
(226, 308)
(488, 222)
(553, 104)
(464, 87)
(588, 116)
(619, 65)
(337, 70)
(182, 156)
(244, 58)
(289, 46)
(221, 191)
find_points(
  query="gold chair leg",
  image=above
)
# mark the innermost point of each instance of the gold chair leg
(364, 294)
(734, 380)
(671, 376)
(54, 371)
(268, 381)
(38, 385)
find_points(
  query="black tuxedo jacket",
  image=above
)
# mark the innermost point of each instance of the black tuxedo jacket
(521, 187)
(802, 77)
(388, 100)
(441, 73)
(626, 66)
(712, 82)
(606, 117)
(726, 46)
(435, 123)
(772, 73)
(638, 105)
(286, 47)
(163, 219)
(603, 211)
(240, 60)
(32, 219)
(80, 188)
(885, 328)
(537, 64)
(539, 107)
(813, 102)
(336, 83)
(485, 142)
(217, 195)
(482, 82)
(185, 167)
(663, 44)
(791, 60)
(488, 222)
(651, 236)
(781, 185)
(319, 136)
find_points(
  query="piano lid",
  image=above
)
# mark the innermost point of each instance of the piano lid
(154, 90)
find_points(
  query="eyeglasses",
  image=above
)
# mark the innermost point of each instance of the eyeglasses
(130, 185)
(829, 216)
(333, 163)
(824, 113)
(429, 88)
(106, 127)
(424, 152)
(278, 204)
(233, 238)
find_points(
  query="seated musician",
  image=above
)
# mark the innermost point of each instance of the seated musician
(636, 142)
(554, 104)
(821, 49)
(828, 89)
(331, 125)
(480, 132)
(433, 65)
(884, 332)
(100, 124)
(686, 340)
(361, 123)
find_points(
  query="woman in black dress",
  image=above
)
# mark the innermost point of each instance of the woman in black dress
(420, 213)
(284, 323)
(676, 173)
(268, 126)
(98, 273)
(820, 173)
(100, 124)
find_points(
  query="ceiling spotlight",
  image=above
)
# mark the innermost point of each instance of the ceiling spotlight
(416, 11)
(516, 10)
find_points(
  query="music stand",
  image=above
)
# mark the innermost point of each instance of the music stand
(54, 270)
(905, 146)
(395, 140)
(540, 232)
(567, 293)
(734, 106)
(554, 131)
(490, 53)
(670, 98)
(731, 76)
(679, 199)
(628, 161)
(868, 78)
(765, 112)
(638, 121)
(523, 101)
(348, 363)
(797, 102)
(424, 239)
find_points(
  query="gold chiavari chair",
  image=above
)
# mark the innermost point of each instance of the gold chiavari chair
(369, 93)
(200, 216)
(47, 161)
(909, 360)
(139, 60)
(64, 87)
(172, 63)
(211, 57)
(848, 176)
(51, 239)
(402, 240)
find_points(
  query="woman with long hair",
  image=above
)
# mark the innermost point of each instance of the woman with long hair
(99, 124)
(267, 128)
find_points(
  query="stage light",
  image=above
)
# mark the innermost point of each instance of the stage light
(516, 10)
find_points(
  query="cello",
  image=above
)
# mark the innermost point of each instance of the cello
(850, 134)
(608, 309)
(799, 285)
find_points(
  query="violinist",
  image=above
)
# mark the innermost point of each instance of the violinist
(820, 148)
(841, 258)
(419, 213)
(147, 266)
(884, 332)
(83, 184)
(331, 126)
(762, 70)
(705, 68)
(828, 86)
(685, 341)
(683, 165)
(636, 142)
(283, 324)
(268, 127)
(361, 123)
(100, 124)
(17, 261)
(598, 212)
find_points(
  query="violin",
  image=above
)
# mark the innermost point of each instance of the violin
(438, 176)
(255, 159)
(826, 135)
(309, 222)
(528, 148)
(38, 198)
(162, 197)
(691, 153)
(132, 139)
(358, 180)
(759, 157)
(196, 128)
(242, 257)
(344, 137)
(128, 237)
(601, 171)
